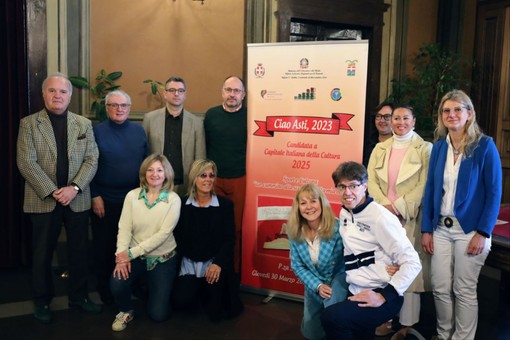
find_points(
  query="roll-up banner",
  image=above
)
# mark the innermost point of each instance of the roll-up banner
(306, 108)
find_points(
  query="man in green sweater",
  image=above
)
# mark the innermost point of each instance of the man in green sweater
(225, 134)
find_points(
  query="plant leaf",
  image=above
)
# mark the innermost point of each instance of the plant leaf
(114, 75)
(79, 82)
(112, 88)
(100, 87)
(154, 88)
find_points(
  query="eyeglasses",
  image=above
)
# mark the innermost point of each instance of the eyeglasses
(231, 90)
(204, 176)
(116, 106)
(386, 117)
(179, 91)
(457, 110)
(351, 187)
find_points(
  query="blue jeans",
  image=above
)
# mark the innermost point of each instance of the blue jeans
(160, 281)
(311, 327)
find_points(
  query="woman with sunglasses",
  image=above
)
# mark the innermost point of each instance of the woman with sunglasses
(205, 242)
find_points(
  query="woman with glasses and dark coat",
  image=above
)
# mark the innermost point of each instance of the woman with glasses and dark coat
(205, 237)
(382, 122)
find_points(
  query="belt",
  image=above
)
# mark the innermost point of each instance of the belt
(169, 255)
(448, 221)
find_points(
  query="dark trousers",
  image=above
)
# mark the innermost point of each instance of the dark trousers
(160, 282)
(220, 299)
(346, 320)
(46, 229)
(189, 290)
(104, 233)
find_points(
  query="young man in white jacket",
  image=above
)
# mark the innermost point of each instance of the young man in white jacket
(373, 240)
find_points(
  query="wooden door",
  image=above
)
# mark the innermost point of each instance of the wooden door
(491, 79)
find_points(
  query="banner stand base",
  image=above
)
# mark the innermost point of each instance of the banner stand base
(267, 299)
(270, 294)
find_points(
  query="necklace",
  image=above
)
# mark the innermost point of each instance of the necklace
(456, 151)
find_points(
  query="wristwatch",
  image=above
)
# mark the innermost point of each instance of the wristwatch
(77, 188)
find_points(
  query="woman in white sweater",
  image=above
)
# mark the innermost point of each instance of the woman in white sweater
(145, 242)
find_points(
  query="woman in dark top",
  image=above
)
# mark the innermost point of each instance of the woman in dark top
(205, 237)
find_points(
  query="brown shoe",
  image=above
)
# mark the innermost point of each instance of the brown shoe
(398, 336)
(384, 329)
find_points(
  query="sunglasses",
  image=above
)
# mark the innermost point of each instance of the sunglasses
(204, 176)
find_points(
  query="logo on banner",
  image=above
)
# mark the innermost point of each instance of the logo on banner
(260, 71)
(305, 124)
(336, 94)
(303, 63)
(351, 68)
(308, 94)
(271, 95)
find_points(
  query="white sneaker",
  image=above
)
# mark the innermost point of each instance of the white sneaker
(121, 320)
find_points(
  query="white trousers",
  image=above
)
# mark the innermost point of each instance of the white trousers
(454, 280)
(410, 311)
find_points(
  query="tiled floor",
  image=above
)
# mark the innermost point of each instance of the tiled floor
(277, 319)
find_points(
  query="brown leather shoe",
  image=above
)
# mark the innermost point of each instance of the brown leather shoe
(398, 336)
(384, 329)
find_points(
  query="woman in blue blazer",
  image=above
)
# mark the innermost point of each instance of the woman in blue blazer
(316, 256)
(460, 207)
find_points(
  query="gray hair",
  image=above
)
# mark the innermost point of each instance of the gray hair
(117, 93)
(58, 75)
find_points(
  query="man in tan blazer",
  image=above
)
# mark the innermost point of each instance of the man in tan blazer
(57, 155)
(176, 133)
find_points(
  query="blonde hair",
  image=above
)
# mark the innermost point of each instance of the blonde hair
(168, 183)
(472, 131)
(197, 168)
(296, 222)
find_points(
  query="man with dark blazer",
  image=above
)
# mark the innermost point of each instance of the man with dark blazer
(176, 133)
(57, 155)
